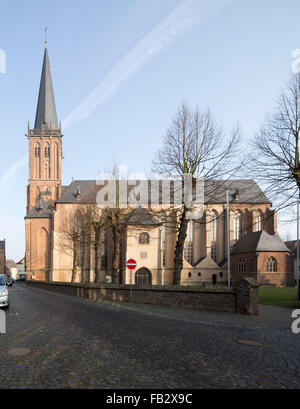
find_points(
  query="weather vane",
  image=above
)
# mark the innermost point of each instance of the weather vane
(46, 35)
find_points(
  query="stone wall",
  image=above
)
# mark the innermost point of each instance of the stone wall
(243, 299)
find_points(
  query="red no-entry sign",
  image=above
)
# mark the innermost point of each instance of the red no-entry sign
(131, 264)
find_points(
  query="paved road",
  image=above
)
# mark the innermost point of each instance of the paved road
(78, 343)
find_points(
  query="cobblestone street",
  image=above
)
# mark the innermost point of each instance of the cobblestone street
(77, 343)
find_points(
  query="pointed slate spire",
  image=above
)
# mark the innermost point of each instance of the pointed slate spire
(46, 111)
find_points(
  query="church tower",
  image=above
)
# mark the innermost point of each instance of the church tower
(45, 145)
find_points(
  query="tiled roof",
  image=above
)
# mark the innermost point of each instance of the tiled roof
(10, 263)
(141, 216)
(40, 210)
(259, 241)
(241, 191)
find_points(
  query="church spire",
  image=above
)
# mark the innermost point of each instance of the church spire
(46, 111)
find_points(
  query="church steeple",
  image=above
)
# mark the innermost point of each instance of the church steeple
(46, 110)
(45, 145)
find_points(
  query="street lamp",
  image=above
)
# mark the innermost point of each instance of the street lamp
(297, 262)
(228, 237)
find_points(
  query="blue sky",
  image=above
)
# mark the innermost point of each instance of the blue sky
(142, 58)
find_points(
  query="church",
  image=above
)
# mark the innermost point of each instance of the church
(145, 239)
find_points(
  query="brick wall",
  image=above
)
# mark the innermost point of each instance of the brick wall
(241, 300)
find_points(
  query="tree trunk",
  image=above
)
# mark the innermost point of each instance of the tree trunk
(116, 257)
(83, 263)
(75, 262)
(120, 262)
(179, 250)
(97, 257)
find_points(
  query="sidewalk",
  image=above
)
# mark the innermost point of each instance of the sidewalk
(269, 316)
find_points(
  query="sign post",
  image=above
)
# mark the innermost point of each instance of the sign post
(131, 264)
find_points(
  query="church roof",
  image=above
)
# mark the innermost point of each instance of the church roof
(141, 216)
(241, 191)
(40, 210)
(259, 241)
(46, 110)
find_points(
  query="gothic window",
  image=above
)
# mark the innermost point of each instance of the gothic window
(237, 226)
(258, 224)
(241, 266)
(189, 246)
(164, 245)
(213, 234)
(272, 265)
(103, 250)
(144, 238)
(37, 151)
(47, 151)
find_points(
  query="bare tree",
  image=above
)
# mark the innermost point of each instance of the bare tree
(275, 158)
(195, 145)
(69, 239)
(96, 223)
(114, 220)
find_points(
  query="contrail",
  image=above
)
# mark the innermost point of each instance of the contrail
(181, 19)
(6, 181)
(172, 27)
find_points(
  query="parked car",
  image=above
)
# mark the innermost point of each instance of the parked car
(10, 281)
(4, 296)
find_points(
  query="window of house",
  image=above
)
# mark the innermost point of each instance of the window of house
(242, 266)
(190, 275)
(37, 151)
(144, 238)
(143, 254)
(221, 275)
(199, 274)
(271, 265)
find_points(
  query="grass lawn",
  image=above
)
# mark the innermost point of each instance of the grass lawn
(280, 297)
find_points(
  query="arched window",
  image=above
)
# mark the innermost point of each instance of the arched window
(258, 224)
(237, 226)
(164, 245)
(144, 238)
(103, 250)
(241, 266)
(188, 245)
(213, 234)
(47, 151)
(37, 151)
(271, 265)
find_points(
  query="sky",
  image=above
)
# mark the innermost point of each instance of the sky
(120, 70)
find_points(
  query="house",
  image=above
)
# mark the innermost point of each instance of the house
(11, 269)
(2, 257)
(264, 257)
